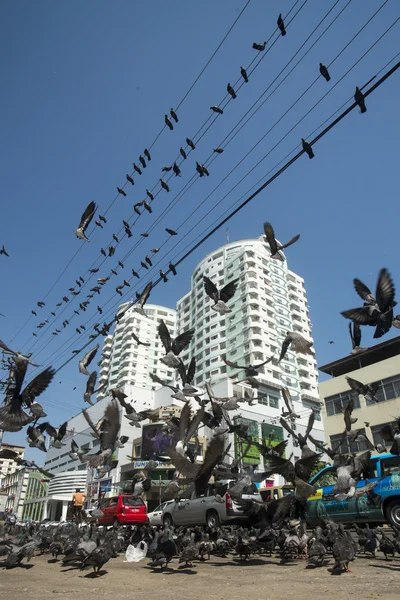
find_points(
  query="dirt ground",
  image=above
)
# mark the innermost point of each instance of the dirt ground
(223, 579)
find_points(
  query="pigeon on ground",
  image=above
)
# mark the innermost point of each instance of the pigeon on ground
(275, 246)
(221, 297)
(85, 221)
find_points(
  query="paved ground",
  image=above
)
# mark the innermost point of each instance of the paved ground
(222, 579)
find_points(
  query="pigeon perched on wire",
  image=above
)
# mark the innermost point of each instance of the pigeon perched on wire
(164, 185)
(142, 161)
(281, 25)
(243, 73)
(121, 191)
(218, 150)
(377, 310)
(324, 72)
(168, 122)
(222, 296)
(183, 154)
(275, 246)
(217, 110)
(360, 100)
(173, 115)
(231, 91)
(259, 47)
(307, 148)
(137, 169)
(147, 154)
(170, 231)
(190, 143)
(129, 178)
(85, 221)
(173, 347)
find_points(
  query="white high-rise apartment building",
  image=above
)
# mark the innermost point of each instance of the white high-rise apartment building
(270, 300)
(124, 361)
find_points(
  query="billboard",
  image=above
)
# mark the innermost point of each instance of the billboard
(251, 452)
(105, 486)
(267, 430)
(156, 441)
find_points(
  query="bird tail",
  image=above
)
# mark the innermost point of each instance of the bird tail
(328, 77)
(283, 32)
(363, 108)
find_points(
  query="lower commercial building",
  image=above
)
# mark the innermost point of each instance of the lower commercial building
(8, 465)
(14, 487)
(261, 416)
(378, 363)
(36, 489)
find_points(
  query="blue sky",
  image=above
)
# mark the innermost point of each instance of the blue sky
(85, 89)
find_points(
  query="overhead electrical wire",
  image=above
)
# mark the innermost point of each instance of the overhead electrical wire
(277, 174)
(290, 129)
(140, 241)
(150, 147)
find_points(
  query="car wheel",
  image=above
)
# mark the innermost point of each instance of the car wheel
(167, 521)
(212, 519)
(392, 513)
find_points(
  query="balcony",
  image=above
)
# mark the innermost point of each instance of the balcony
(309, 397)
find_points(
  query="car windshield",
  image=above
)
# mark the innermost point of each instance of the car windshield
(160, 507)
(328, 477)
(131, 501)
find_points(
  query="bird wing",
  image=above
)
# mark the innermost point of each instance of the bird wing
(165, 336)
(90, 423)
(19, 372)
(87, 216)
(182, 371)
(288, 428)
(183, 340)
(37, 385)
(184, 421)
(283, 467)
(292, 241)
(353, 341)
(233, 365)
(285, 345)
(145, 294)
(211, 289)
(387, 433)
(191, 370)
(194, 424)
(347, 414)
(304, 466)
(6, 348)
(287, 399)
(361, 462)
(74, 446)
(310, 424)
(228, 291)
(91, 382)
(259, 365)
(362, 315)
(354, 384)
(270, 235)
(385, 290)
(362, 290)
(110, 426)
(89, 356)
(374, 387)
(183, 465)
(62, 430)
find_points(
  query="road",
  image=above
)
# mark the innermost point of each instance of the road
(222, 579)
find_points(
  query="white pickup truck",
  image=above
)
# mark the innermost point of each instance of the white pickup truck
(207, 509)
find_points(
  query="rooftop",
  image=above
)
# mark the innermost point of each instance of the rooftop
(12, 445)
(373, 355)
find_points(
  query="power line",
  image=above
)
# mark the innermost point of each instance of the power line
(268, 182)
(150, 147)
(331, 89)
(194, 177)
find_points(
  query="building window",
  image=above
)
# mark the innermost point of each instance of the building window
(376, 434)
(335, 403)
(388, 390)
(346, 446)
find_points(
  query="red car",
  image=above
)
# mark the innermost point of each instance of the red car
(123, 509)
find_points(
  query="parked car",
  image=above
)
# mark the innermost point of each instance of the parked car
(155, 517)
(275, 492)
(380, 506)
(123, 509)
(209, 509)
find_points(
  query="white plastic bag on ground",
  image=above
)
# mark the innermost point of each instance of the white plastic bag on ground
(136, 553)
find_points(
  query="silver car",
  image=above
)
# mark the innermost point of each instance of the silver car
(210, 510)
(155, 517)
